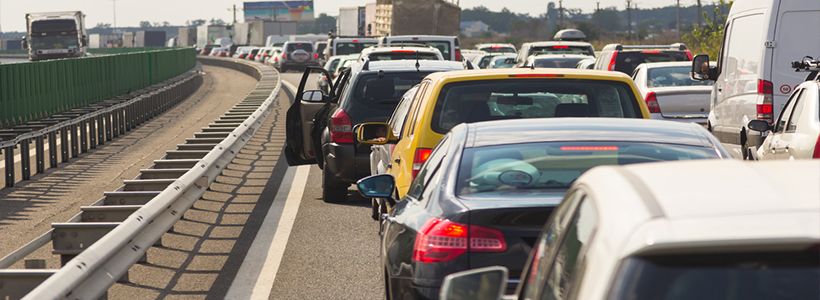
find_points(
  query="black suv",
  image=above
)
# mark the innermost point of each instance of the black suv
(298, 55)
(321, 127)
(616, 57)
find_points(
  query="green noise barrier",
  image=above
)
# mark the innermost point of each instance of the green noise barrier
(37, 90)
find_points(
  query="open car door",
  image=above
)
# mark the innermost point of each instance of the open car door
(300, 146)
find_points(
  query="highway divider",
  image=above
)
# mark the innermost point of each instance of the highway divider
(147, 206)
(38, 90)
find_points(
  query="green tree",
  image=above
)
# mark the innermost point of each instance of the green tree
(707, 38)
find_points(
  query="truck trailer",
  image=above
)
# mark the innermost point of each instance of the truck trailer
(208, 34)
(186, 37)
(52, 35)
(154, 38)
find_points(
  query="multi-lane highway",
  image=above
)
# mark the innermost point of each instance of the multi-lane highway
(260, 232)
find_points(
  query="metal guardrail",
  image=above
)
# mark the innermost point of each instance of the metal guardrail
(115, 245)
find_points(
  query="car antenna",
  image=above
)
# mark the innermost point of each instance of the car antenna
(417, 61)
(532, 67)
(366, 66)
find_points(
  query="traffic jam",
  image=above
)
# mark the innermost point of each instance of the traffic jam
(559, 171)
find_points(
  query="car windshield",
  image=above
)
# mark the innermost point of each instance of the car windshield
(559, 49)
(486, 100)
(672, 76)
(307, 47)
(557, 62)
(498, 49)
(351, 48)
(384, 92)
(729, 276)
(627, 61)
(556, 165)
(409, 55)
(54, 42)
(508, 62)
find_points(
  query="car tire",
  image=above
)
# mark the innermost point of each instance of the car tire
(745, 150)
(333, 191)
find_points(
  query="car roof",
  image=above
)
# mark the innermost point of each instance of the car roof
(549, 43)
(419, 48)
(409, 65)
(488, 74)
(534, 130)
(668, 64)
(669, 207)
(558, 55)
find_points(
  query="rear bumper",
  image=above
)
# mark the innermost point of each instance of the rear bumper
(685, 119)
(344, 164)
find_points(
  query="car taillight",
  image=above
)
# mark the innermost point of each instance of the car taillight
(284, 55)
(341, 130)
(421, 155)
(816, 149)
(611, 66)
(652, 103)
(688, 55)
(442, 240)
(458, 55)
(316, 55)
(764, 110)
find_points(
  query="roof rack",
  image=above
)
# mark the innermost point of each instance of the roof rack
(676, 46)
(403, 44)
(808, 64)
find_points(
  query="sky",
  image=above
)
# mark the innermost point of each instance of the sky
(129, 13)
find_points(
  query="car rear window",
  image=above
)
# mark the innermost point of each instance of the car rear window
(307, 47)
(487, 100)
(402, 56)
(672, 76)
(747, 276)
(501, 63)
(351, 48)
(560, 49)
(442, 46)
(627, 61)
(498, 49)
(557, 62)
(386, 91)
(556, 165)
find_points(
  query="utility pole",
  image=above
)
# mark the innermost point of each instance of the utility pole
(560, 12)
(700, 15)
(598, 13)
(114, 2)
(629, 18)
(678, 5)
(234, 13)
(636, 23)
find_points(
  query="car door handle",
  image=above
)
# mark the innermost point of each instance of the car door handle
(786, 149)
(397, 160)
(389, 166)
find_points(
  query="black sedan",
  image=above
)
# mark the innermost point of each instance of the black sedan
(484, 194)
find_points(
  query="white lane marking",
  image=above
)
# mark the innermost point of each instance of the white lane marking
(258, 271)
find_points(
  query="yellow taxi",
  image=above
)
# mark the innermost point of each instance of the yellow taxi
(445, 99)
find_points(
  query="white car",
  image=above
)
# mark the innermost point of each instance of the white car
(380, 53)
(674, 231)
(796, 132)
(670, 94)
(496, 48)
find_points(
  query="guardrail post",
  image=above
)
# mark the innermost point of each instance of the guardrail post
(92, 133)
(52, 149)
(84, 136)
(109, 128)
(115, 122)
(75, 145)
(9, 151)
(64, 144)
(25, 159)
(100, 130)
(39, 150)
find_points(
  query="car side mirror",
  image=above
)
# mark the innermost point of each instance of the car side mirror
(84, 41)
(759, 125)
(314, 96)
(375, 134)
(487, 283)
(24, 43)
(377, 186)
(700, 68)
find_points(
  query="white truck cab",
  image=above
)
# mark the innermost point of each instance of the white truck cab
(753, 77)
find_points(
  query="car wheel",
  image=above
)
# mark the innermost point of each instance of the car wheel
(745, 150)
(333, 191)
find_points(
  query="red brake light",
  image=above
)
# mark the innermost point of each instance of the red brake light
(496, 47)
(441, 240)
(611, 66)
(341, 130)
(458, 55)
(535, 75)
(764, 109)
(415, 39)
(590, 148)
(652, 103)
(355, 41)
(316, 55)
(298, 44)
(652, 52)
(284, 55)
(403, 51)
(421, 155)
(560, 47)
(816, 149)
(689, 55)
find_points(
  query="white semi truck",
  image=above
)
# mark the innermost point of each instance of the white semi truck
(52, 35)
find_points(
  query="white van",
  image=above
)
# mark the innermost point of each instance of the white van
(753, 77)
(448, 45)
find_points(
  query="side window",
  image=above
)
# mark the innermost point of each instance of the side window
(743, 51)
(429, 169)
(577, 236)
(798, 109)
(780, 125)
(416, 107)
(727, 34)
(400, 114)
(548, 239)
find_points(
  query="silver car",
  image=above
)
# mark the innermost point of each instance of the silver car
(670, 94)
